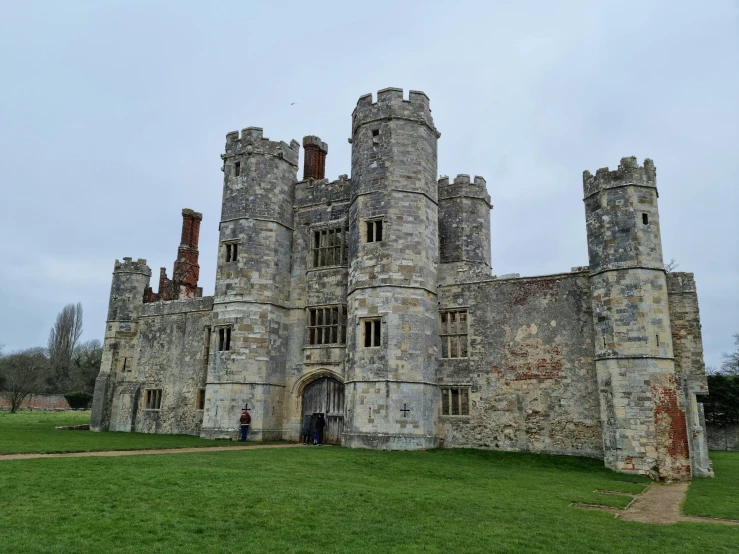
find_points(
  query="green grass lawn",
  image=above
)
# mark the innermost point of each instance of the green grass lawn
(35, 432)
(717, 497)
(332, 500)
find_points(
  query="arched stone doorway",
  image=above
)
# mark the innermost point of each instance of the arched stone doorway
(326, 396)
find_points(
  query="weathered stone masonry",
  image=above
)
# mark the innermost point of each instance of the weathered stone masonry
(370, 299)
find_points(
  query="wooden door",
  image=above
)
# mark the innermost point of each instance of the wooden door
(326, 396)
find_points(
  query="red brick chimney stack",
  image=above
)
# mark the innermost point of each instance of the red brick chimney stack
(315, 158)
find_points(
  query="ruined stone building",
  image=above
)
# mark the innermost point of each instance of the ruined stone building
(370, 299)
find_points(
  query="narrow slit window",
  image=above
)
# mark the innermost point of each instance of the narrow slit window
(221, 339)
(228, 338)
(237, 169)
(125, 362)
(645, 219)
(200, 405)
(206, 347)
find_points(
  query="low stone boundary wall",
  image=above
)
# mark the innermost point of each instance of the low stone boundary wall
(723, 437)
(39, 402)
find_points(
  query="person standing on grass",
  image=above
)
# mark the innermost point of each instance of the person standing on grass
(244, 420)
(307, 420)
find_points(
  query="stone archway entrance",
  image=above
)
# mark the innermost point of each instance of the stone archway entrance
(326, 396)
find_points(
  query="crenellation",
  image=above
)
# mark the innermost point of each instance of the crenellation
(370, 299)
(629, 172)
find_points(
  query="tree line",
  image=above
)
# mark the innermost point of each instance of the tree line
(721, 406)
(65, 366)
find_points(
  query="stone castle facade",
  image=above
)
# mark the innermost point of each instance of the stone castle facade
(370, 299)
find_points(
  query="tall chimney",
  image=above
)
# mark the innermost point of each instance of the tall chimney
(186, 268)
(315, 158)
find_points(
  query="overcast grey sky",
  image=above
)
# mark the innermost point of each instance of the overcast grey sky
(113, 116)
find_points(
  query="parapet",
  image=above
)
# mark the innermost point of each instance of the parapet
(310, 192)
(252, 142)
(129, 266)
(629, 172)
(680, 282)
(463, 186)
(390, 104)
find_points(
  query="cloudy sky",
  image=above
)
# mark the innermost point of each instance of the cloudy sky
(113, 116)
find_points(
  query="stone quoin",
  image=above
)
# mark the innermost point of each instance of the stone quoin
(370, 299)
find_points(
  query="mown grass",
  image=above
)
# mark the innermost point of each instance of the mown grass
(719, 496)
(24, 432)
(329, 500)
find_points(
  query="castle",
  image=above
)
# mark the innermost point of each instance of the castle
(370, 299)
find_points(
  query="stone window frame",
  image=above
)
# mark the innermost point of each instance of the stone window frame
(153, 399)
(200, 399)
(373, 221)
(230, 250)
(237, 168)
(124, 364)
(451, 337)
(223, 337)
(326, 233)
(314, 329)
(376, 334)
(455, 398)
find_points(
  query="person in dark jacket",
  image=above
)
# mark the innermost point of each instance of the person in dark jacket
(305, 434)
(244, 420)
(320, 424)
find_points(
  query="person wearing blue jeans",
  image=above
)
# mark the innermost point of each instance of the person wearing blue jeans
(244, 420)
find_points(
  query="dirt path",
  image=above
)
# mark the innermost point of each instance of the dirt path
(140, 452)
(659, 505)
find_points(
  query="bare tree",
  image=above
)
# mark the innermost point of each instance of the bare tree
(21, 374)
(86, 366)
(63, 339)
(730, 365)
(671, 266)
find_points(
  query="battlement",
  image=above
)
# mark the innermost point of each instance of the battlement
(680, 282)
(129, 266)
(629, 172)
(463, 186)
(252, 142)
(391, 104)
(310, 192)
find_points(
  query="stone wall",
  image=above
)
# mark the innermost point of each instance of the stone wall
(170, 355)
(39, 402)
(723, 437)
(530, 369)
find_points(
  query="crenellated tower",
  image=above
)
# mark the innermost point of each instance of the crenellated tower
(130, 281)
(248, 342)
(642, 404)
(392, 332)
(464, 223)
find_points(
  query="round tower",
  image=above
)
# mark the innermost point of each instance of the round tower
(392, 331)
(642, 404)
(248, 340)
